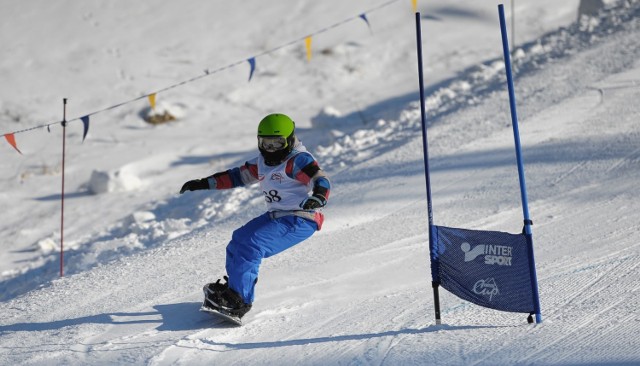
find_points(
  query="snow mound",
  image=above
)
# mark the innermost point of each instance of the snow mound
(122, 180)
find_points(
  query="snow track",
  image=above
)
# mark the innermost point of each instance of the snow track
(359, 292)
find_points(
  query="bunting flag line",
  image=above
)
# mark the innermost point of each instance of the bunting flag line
(152, 100)
(11, 139)
(307, 44)
(85, 122)
(252, 64)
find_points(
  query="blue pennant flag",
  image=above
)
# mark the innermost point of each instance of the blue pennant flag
(363, 16)
(252, 63)
(487, 268)
(85, 122)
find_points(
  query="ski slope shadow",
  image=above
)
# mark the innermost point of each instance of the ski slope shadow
(58, 196)
(169, 317)
(351, 337)
(186, 316)
(90, 319)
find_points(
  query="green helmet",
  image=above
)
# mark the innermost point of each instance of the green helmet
(276, 137)
(276, 124)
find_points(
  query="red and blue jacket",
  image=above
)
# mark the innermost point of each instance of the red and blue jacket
(300, 166)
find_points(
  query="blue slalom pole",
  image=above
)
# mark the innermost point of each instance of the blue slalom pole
(435, 284)
(523, 186)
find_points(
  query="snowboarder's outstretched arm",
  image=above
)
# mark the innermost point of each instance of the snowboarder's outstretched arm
(236, 177)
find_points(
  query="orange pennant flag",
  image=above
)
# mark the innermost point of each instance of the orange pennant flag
(414, 4)
(307, 43)
(152, 100)
(11, 139)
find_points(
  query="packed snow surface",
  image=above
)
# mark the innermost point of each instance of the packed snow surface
(136, 253)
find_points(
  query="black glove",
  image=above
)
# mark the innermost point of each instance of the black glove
(194, 185)
(313, 202)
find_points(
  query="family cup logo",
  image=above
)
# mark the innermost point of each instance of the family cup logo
(493, 254)
(486, 287)
(277, 177)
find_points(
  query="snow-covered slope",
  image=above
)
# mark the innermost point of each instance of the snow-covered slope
(358, 292)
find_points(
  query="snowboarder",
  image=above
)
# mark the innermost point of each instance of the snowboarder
(294, 188)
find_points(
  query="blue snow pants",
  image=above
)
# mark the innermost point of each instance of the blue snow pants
(260, 238)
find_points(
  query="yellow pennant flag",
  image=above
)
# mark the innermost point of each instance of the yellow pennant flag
(152, 100)
(414, 4)
(307, 43)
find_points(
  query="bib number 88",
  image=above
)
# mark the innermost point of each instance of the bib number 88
(272, 196)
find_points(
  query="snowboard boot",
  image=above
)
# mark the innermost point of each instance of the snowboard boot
(210, 289)
(220, 297)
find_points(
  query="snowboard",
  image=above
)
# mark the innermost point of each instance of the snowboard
(222, 315)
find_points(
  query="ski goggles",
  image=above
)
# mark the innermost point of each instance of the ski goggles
(272, 143)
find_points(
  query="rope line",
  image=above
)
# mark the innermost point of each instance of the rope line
(208, 72)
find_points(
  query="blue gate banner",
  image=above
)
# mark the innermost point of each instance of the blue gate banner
(487, 268)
